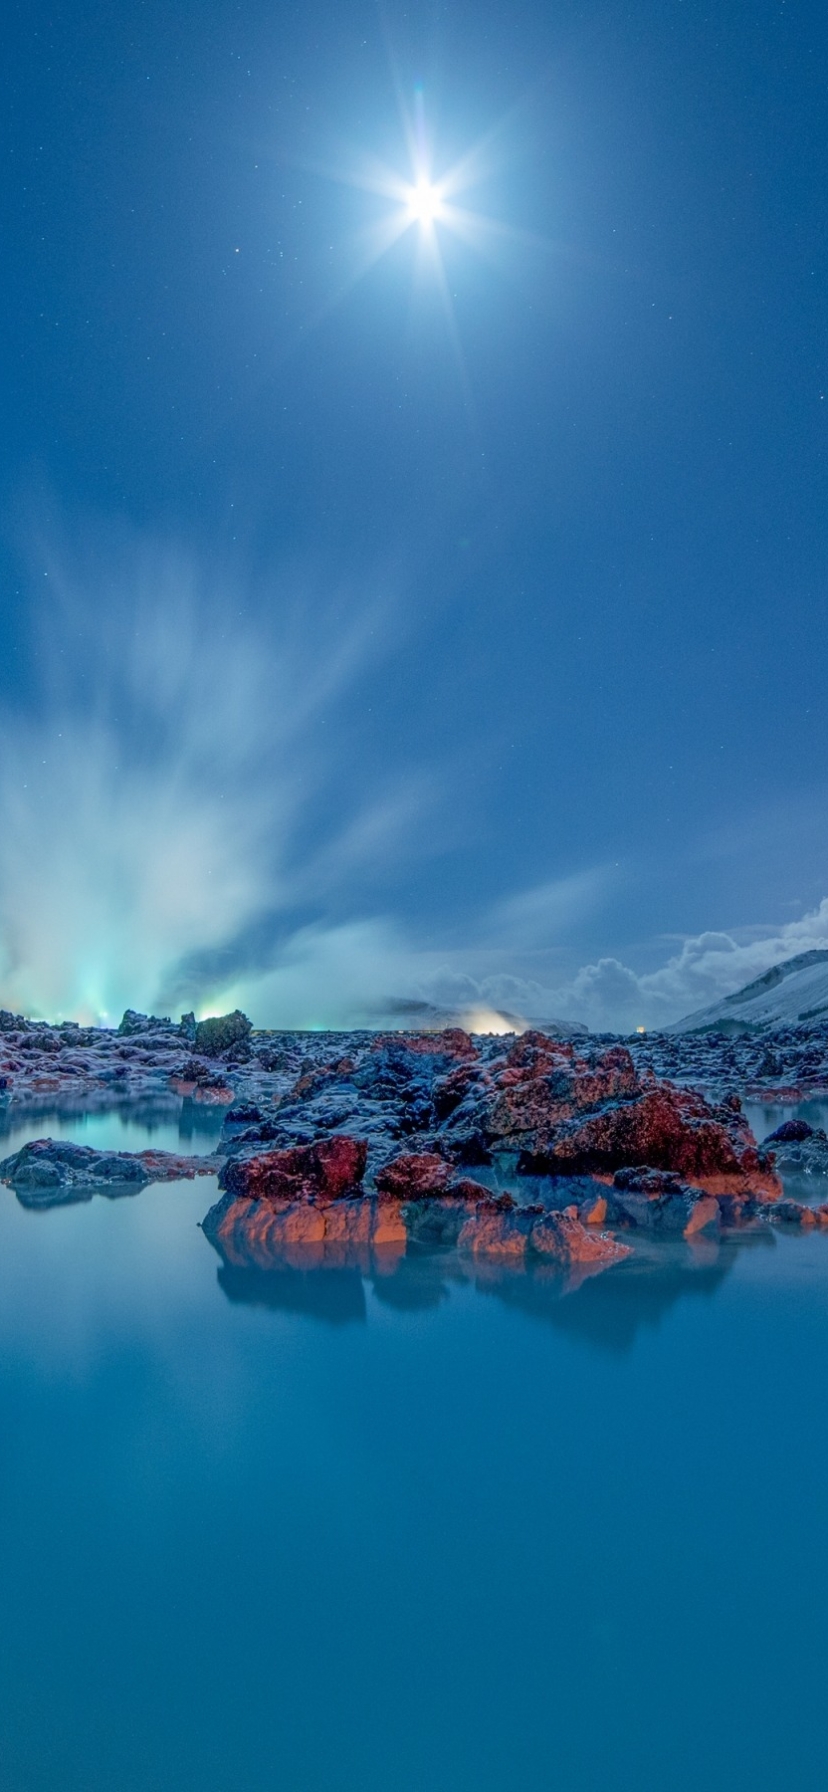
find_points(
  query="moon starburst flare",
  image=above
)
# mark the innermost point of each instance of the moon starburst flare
(422, 203)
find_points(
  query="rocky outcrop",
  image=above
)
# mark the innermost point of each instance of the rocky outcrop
(666, 1128)
(324, 1172)
(566, 1115)
(415, 1174)
(279, 1205)
(221, 1033)
(53, 1165)
(799, 1149)
(265, 1234)
(394, 1130)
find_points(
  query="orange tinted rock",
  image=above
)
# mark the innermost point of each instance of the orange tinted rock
(594, 1212)
(543, 1083)
(564, 1240)
(704, 1216)
(261, 1233)
(252, 1231)
(494, 1229)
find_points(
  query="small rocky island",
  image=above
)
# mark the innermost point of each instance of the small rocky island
(526, 1149)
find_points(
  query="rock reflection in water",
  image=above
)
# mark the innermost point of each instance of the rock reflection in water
(607, 1310)
(335, 1295)
(166, 1120)
(635, 1296)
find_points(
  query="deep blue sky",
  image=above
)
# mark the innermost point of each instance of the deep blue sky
(597, 554)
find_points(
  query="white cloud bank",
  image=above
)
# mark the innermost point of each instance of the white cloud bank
(609, 996)
(353, 975)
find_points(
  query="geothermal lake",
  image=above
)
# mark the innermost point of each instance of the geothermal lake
(415, 1532)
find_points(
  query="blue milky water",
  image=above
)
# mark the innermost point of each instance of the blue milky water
(317, 1532)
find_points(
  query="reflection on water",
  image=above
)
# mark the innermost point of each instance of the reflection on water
(765, 1116)
(334, 1295)
(165, 1124)
(416, 1523)
(608, 1308)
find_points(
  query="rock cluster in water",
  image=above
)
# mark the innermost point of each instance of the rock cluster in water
(527, 1148)
(46, 1170)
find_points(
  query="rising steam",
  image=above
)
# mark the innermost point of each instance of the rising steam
(151, 785)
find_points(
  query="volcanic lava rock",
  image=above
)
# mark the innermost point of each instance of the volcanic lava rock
(221, 1032)
(799, 1149)
(266, 1234)
(54, 1164)
(194, 1079)
(543, 1085)
(414, 1175)
(665, 1128)
(279, 1205)
(790, 1132)
(325, 1171)
(132, 1022)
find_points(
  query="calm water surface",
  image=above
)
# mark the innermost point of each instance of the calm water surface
(182, 1126)
(321, 1532)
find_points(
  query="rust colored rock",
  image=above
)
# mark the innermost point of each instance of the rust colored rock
(415, 1175)
(669, 1129)
(464, 1188)
(495, 1229)
(450, 1089)
(325, 1171)
(543, 1084)
(314, 1080)
(252, 1231)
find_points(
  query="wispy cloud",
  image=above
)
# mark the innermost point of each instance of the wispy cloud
(156, 785)
(538, 917)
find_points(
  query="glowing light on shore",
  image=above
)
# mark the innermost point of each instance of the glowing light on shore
(489, 1020)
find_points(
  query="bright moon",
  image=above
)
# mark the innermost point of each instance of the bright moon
(425, 203)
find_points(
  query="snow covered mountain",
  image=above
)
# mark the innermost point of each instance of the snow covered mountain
(795, 990)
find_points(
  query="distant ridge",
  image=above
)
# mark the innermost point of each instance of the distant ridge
(789, 993)
(400, 1012)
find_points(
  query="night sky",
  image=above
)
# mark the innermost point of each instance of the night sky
(446, 625)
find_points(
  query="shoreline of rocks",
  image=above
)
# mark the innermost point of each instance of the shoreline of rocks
(514, 1148)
